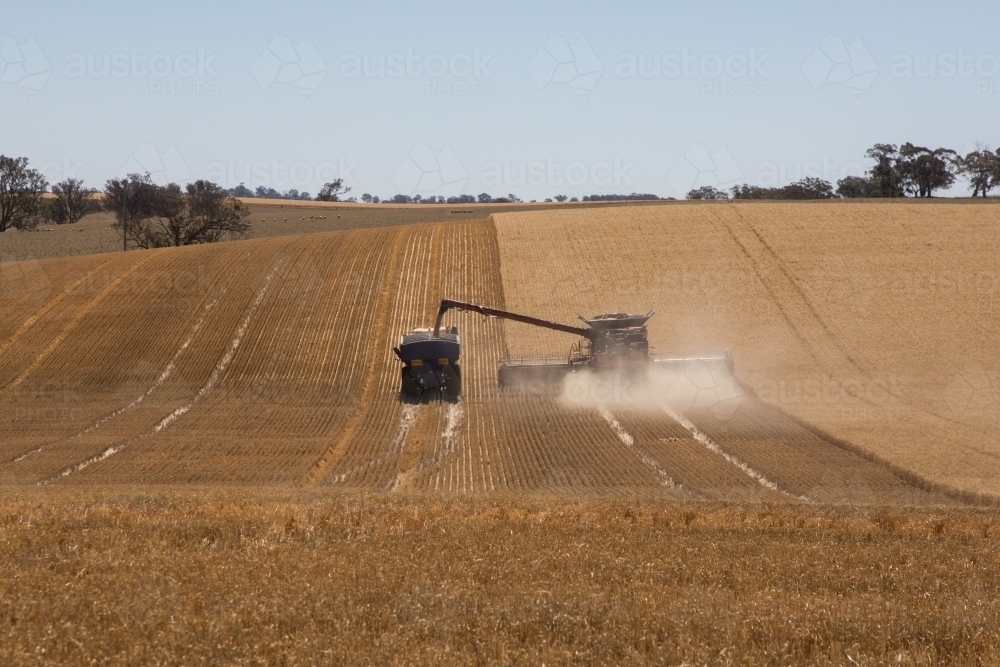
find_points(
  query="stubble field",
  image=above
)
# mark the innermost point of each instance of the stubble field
(249, 389)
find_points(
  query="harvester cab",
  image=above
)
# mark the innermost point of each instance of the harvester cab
(617, 341)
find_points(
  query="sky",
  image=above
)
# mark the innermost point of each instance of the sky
(523, 98)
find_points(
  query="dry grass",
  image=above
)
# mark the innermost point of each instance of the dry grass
(875, 322)
(214, 576)
(268, 217)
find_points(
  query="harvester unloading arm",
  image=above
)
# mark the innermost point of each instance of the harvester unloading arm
(449, 304)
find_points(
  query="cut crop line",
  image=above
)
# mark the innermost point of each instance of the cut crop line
(220, 368)
(651, 463)
(80, 314)
(407, 416)
(709, 444)
(50, 305)
(363, 403)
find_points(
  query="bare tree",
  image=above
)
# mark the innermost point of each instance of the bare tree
(854, 187)
(21, 190)
(202, 213)
(132, 199)
(924, 170)
(333, 190)
(886, 173)
(72, 202)
(982, 167)
(708, 192)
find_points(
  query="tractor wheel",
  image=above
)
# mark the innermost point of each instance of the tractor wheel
(409, 390)
(453, 383)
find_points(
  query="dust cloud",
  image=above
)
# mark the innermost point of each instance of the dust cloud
(677, 386)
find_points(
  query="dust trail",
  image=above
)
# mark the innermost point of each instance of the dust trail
(711, 446)
(220, 368)
(452, 420)
(163, 377)
(449, 437)
(449, 441)
(648, 460)
(407, 417)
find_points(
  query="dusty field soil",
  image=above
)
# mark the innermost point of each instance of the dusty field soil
(263, 577)
(876, 323)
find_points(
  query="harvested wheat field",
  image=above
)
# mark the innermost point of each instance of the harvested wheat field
(205, 457)
(269, 362)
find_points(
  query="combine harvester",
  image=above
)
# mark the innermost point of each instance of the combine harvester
(610, 342)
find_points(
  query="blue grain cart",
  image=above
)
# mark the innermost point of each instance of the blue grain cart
(430, 363)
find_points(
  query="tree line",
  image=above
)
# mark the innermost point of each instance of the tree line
(148, 215)
(331, 191)
(486, 198)
(482, 198)
(899, 171)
